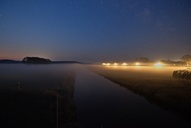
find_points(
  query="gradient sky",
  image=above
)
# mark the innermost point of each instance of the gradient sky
(95, 30)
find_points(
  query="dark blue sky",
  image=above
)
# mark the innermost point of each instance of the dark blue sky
(95, 30)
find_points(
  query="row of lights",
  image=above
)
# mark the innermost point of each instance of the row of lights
(117, 64)
(158, 64)
(114, 64)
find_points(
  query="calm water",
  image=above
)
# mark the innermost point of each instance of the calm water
(99, 102)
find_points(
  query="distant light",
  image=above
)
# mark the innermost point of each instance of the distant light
(137, 63)
(108, 64)
(103, 63)
(115, 64)
(124, 64)
(158, 64)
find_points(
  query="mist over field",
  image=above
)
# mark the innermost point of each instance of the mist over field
(156, 84)
(94, 95)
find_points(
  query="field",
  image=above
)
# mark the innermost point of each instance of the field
(156, 84)
(50, 108)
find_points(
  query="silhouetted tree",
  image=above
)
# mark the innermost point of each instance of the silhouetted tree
(172, 62)
(36, 60)
(186, 58)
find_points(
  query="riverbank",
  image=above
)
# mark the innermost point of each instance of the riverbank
(155, 84)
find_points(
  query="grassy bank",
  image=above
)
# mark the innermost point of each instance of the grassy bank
(156, 85)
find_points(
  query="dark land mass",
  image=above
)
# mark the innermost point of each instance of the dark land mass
(67, 62)
(7, 61)
(36, 60)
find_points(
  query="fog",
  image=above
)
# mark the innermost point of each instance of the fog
(93, 96)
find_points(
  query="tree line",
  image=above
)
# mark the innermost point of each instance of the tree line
(184, 60)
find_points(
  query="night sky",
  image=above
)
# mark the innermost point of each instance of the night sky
(95, 30)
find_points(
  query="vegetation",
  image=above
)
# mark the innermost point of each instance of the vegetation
(171, 62)
(160, 89)
(186, 58)
(183, 74)
(36, 60)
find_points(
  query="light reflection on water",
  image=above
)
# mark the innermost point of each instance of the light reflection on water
(99, 102)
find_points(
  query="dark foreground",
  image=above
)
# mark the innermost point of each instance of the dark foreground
(37, 108)
(156, 85)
